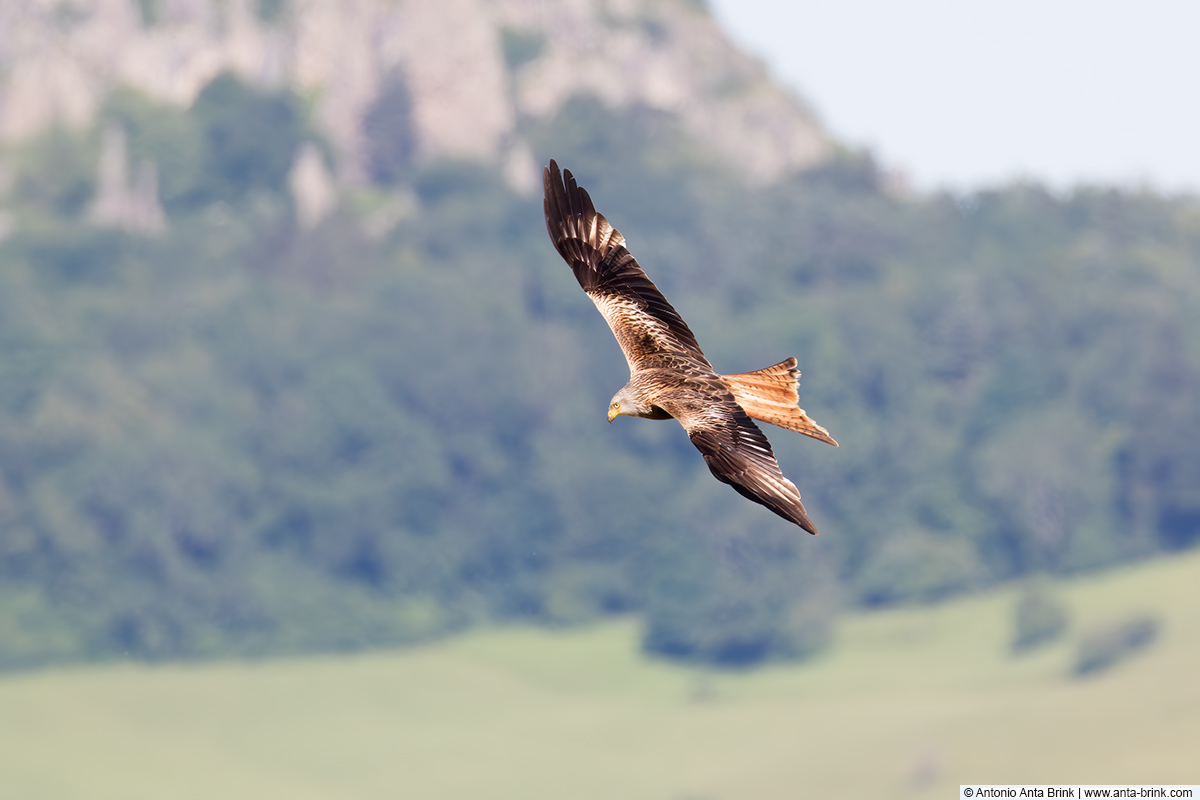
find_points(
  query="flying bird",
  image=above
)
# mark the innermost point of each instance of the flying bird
(669, 377)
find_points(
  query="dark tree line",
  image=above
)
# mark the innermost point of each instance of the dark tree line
(243, 437)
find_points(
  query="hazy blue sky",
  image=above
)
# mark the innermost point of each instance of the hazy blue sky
(968, 93)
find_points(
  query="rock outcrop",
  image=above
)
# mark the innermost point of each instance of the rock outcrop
(474, 68)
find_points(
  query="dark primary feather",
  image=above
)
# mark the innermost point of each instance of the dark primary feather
(738, 453)
(665, 362)
(736, 450)
(628, 300)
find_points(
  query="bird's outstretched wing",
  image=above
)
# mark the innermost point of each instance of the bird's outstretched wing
(738, 453)
(651, 333)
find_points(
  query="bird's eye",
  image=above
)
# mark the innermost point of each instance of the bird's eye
(615, 405)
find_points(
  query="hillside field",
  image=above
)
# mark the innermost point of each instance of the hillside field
(907, 704)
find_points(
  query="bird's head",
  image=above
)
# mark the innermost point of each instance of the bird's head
(624, 404)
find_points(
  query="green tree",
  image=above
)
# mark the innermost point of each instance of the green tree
(250, 137)
(391, 137)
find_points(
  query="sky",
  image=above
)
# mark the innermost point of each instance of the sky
(960, 95)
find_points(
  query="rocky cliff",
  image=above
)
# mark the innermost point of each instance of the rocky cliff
(474, 69)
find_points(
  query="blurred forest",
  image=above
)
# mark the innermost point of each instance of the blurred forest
(239, 435)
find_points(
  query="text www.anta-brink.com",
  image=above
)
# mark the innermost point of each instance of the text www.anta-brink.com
(1077, 791)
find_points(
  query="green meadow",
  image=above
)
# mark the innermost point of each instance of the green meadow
(908, 703)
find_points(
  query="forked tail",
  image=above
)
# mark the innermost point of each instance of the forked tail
(770, 395)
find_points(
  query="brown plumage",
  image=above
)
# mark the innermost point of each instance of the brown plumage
(668, 374)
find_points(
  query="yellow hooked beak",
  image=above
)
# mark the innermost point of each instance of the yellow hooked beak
(613, 411)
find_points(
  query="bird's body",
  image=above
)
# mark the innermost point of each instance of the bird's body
(669, 375)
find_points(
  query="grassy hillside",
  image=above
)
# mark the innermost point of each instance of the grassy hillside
(907, 704)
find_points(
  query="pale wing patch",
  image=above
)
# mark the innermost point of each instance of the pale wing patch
(631, 325)
(603, 236)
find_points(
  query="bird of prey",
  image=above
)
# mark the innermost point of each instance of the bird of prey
(669, 377)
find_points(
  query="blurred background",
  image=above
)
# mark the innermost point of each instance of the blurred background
(306, 488)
